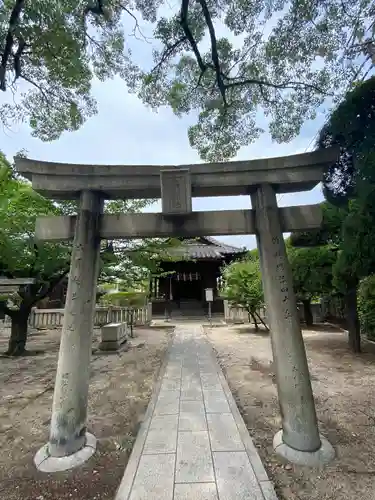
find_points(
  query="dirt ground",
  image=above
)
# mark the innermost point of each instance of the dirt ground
(343, 385)
(120, 388)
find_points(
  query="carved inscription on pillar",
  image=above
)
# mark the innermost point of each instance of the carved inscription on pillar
(281, 277)
(175, 191)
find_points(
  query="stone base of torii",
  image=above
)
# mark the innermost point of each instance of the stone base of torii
(70, 444)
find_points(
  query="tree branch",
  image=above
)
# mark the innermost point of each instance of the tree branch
(281, 86)
(136, 23)
(53, 282)
(41, 90)
(224, 81)
(167, 52)
(214, 52)
(9, 41)
(189, 36)
(17, 58)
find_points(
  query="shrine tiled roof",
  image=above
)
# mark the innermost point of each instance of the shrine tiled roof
(205, 248)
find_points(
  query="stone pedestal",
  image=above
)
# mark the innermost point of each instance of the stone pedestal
(69, 443)
(114, 336)
(299, 440)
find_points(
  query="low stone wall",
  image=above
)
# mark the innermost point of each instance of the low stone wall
(240, 315)
(333, 310)
(40, 318)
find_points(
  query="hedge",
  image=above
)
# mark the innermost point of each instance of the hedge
(366, 306)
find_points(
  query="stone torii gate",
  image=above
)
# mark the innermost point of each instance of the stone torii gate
(69, 443)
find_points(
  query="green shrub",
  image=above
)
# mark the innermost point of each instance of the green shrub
(124, 299)
(366, 306)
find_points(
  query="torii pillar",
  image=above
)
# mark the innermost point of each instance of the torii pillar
(299, 440)
(69, 443)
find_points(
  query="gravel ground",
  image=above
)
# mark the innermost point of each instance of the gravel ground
(120, 388)
(343, 385)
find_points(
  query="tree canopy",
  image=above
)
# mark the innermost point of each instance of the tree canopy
(351, 126)
(243, 286)
(351, 181)
(312, 271)
(312, 274)
(227, 61)
(328, 234)
(349, 187)
(20, 255)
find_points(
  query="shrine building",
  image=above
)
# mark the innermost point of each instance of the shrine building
(197, 265)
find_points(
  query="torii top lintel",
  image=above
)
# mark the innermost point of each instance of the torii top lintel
(293, 173)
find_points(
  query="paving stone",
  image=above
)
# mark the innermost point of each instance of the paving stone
(192, 407)
(168, 403)
(174, 367)
(198, 491)
(192, 394)
(161, 422)
(211, 382)
(189, 385)
(215, 401)
(192, 421)
(172, 374)
(170, 384)
(190, 379)
(154, 478)
(235, 477)
(223, 431)
(192, 374)
(193, 462)
(207, 368)
(160, 441)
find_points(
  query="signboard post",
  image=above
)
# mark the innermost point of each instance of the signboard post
(209, 298)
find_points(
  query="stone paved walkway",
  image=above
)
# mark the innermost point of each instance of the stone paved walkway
(193, 444)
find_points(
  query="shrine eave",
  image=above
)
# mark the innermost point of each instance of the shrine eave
(205, 248)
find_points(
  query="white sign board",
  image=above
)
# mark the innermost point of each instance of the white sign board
(209, 295)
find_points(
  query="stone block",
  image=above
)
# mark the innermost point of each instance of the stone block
(192, 406)
(192, 394)
(113, 336)
(215, 401)
(170, 384)
(162, 422)
(211, 382)
(154, 478)
(235, 477)
(168, 403)
(176, 191)
(192, 421)
(195, 491)
(161, 441)
(223, 431)
(194, 461)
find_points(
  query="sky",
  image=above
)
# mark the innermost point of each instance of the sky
(125, 132)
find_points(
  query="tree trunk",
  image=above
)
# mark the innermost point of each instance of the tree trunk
(307, 313)
(254, 321)
(353, 320)
(263, 323)
(18, 333)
